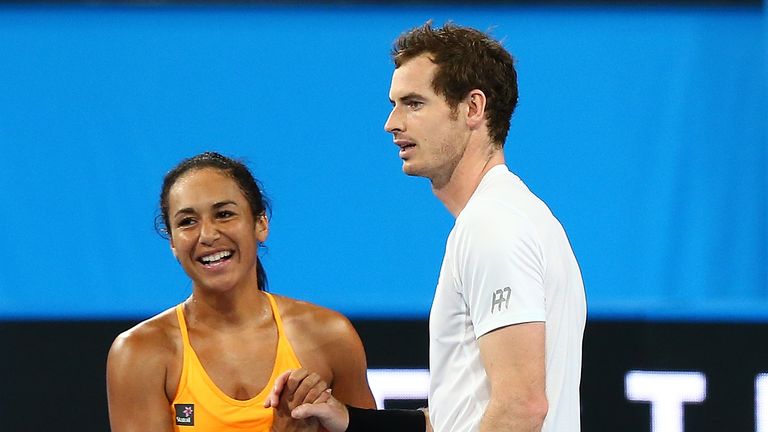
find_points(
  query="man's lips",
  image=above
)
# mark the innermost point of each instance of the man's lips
(404, 143)
(406, 147)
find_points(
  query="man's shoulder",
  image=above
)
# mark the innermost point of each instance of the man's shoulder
(494, 213)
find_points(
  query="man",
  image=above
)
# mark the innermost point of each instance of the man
(508, 315)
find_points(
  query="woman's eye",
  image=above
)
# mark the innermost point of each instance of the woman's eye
(185, 222)
(225, 214)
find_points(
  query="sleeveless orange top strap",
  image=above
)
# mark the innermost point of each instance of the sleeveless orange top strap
(200, 406)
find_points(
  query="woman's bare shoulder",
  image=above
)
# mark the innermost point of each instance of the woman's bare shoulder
(313, 319)
(157, 336)
(143, 372)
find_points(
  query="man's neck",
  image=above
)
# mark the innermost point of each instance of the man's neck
(472, 167)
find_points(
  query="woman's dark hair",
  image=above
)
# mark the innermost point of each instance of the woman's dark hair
(238, 172)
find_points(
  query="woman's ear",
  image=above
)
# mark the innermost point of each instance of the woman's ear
(173, 249)
(262, 228)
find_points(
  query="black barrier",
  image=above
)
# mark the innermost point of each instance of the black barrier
(58, 367)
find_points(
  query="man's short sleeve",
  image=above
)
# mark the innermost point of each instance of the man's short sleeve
(501, 267)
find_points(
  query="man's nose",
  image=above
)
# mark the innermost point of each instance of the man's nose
(394, 122)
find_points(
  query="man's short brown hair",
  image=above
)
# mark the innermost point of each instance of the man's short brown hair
(466, 59)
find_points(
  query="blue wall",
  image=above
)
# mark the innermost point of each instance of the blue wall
(643, 128)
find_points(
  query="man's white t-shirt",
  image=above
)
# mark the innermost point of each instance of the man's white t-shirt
(507, 261)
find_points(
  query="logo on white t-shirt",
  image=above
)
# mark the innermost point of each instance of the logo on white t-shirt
(501, 299)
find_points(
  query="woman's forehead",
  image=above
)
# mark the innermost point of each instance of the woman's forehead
(204, 187)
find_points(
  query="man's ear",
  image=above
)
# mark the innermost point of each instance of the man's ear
(262, 228)
(476, 102)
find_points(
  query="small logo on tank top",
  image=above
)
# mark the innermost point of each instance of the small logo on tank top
(185, 414)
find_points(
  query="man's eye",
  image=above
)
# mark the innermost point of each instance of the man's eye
(415, 104)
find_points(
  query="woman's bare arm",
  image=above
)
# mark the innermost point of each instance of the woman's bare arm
(136, 382)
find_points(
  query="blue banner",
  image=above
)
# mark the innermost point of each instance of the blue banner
(644, 129)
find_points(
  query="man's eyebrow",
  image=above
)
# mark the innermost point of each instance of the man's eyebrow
(408, 97)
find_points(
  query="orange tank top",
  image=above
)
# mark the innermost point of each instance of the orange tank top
(200, 406)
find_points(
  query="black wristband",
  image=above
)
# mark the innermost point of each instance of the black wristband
(371, 420)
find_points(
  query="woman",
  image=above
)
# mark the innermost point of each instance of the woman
(209, 363)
